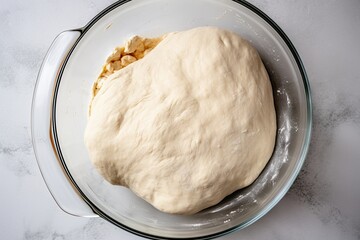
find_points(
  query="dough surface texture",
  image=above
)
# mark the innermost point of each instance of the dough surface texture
(188, 124)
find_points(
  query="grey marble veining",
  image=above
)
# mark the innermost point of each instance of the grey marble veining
(324, 200)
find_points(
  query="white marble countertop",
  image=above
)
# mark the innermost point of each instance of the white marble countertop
(322, 204)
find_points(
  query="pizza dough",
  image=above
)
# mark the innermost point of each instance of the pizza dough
(186, 125)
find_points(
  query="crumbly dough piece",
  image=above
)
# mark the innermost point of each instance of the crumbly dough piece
(134, 49)
(186, 125)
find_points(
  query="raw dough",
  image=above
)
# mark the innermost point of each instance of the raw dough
(135, 49)
(188, 124)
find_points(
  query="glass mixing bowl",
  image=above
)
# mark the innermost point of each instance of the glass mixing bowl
(62, 94)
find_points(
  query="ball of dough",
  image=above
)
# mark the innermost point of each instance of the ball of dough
(188, 124)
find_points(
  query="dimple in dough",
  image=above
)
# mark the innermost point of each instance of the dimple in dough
(188, 124)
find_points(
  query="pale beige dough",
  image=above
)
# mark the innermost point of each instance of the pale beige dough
(188, 124)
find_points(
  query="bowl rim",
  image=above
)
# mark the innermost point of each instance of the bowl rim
(272, 202)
